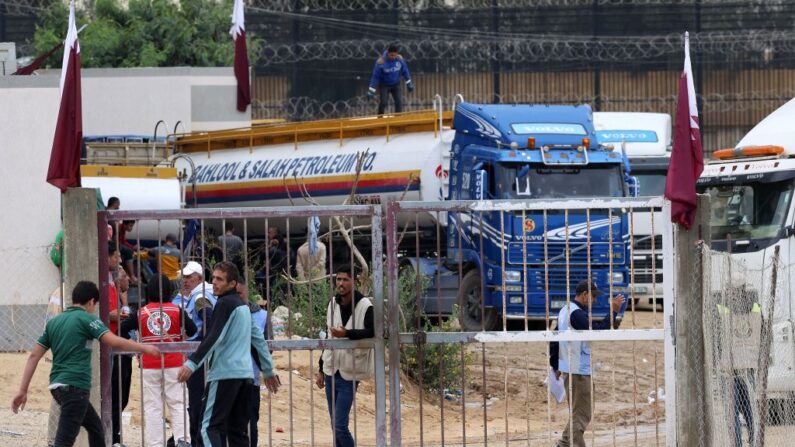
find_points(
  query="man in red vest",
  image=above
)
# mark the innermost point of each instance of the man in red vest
(161, 321)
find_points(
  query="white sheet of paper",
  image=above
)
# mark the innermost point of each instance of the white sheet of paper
(556, 386)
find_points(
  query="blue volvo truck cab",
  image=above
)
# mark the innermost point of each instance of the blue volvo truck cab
(528, 152)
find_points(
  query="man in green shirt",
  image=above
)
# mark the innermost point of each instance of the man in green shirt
(70, 335)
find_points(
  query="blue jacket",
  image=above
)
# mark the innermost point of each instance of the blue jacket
(260, 318)
(227, 348)
(387, 72)
(199, 293)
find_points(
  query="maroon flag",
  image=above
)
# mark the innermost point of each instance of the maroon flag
(687, 159)
(238, 33)
(64, 170)
(37, 63)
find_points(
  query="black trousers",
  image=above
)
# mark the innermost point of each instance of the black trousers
(226, 413)
(195, 397)
(120, 393)
(397, 95)
(76, 412)
(253, 412)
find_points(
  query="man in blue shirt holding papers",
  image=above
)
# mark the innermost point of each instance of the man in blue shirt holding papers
(572, 359)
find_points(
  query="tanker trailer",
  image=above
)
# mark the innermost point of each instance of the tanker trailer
(493, 152)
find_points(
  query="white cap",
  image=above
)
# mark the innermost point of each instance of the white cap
(191, 268)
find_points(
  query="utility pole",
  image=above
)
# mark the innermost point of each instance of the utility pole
(295, 88)
(597, 66)
(495, 64)
(699, 71)
(3, 14)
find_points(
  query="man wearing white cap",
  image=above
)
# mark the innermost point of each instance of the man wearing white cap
(196, 297)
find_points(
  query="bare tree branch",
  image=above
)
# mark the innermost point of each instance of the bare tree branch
(405, 191)
(304, 281)
(360, 157)
(305, 192)
(287, 188)
(342, 228)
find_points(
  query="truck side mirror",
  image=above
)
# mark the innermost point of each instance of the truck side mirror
(634, 186)
(523, 174)
(480, 184)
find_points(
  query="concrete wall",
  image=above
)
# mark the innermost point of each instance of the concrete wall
(115, 101)
(133, 100)
(31, 214)
(8, 58)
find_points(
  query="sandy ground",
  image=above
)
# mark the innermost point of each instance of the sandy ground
(517, 411)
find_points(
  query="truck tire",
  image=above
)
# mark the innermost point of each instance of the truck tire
(469, 306)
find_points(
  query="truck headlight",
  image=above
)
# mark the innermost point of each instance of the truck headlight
(513, 275)
(618, 277)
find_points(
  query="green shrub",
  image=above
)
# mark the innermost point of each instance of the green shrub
(311, 301)
(436, 366)
(433, 366)
(421, 364)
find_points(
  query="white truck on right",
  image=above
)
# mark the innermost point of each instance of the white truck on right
(752, 212)
(645, 139)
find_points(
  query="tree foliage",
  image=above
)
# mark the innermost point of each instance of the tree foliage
(145, 33)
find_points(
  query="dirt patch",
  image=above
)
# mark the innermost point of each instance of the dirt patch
(509, 400)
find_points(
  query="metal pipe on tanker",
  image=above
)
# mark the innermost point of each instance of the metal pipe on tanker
(154, 137)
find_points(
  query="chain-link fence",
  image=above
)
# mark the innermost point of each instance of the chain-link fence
(748, 350)
(30, 284)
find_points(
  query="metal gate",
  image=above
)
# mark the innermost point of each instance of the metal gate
(447, 385)
(338, 226)
(481, 386)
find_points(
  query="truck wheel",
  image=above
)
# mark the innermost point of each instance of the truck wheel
(469, 306)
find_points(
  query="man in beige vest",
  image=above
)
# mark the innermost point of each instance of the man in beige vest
(349, 315)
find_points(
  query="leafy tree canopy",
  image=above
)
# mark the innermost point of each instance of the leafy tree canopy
(146, 33)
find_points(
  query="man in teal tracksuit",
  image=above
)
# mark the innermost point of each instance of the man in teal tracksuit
(227, 349)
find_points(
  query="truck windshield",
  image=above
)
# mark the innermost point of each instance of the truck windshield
(651, 183)
(518, 181)
(753, 210)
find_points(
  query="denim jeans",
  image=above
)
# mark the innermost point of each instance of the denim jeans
(76, 412)
(742, 403)
(120, 391)
(340, 400)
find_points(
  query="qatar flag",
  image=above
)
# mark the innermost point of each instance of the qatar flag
(687, 159)
(238, 33)
(64, 169)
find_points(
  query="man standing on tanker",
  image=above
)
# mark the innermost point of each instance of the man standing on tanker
(386, 76)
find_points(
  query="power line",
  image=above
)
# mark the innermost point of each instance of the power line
(459, 5)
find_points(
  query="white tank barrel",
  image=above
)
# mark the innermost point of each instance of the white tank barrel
(407, 165)
(158, 191)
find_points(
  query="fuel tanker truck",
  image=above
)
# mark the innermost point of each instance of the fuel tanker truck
(479, 152)
(752, 215)
(645, 139)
